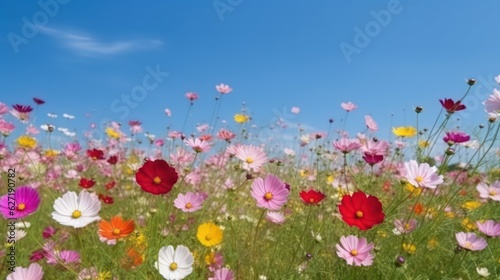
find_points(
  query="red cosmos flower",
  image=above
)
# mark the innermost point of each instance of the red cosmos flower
(86, 183)
(112, 160)
(451, 106)
(38, 101)
(373, 159)
(156, 177)
(95, 154)
(311, 196)
(361, 210)
(110, 185)
(106, 199)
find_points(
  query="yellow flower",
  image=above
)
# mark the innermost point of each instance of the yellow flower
(209, 234)
(409, 248)
(240, 118)
(112, 133)
(412, 189)
(432, 244)
(471, 205)
(26, 142)
(210, 258)
(303, 172)
(105, 275)
(330, 179)
(404, 131)
(468, 224)
(51, 153)
(423, 144)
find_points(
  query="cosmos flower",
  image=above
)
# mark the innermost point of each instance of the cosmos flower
(240, 118)
(422, 175)
(253, 157)
(77, 211)
(21, 112)
(33, 272)
(370, 123)
(86, 183)
(312, 197)
(295, 110)
(489, 228)
(222, 274)
(4, 109)
(346, 145)
(372, 159)
(355, 251)
(175, 264)
(404, 131)
(270, 193)
(451, 106)
(38, 101)
(115, 229)
(209, 234)
(405, 227)
(349, 106)
(456, 137)
(223, 88)
(189, 202)
(6, 127)
(26, 202)
(492, 104)
(489, 191)
(361, 210)
(226, 135)
(156, 177)
(95, 154)
(26, 142)
(470, 241)
(198, 145)
(275, 217)
(191, 96)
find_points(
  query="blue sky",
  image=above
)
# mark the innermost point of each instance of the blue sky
(82, 57)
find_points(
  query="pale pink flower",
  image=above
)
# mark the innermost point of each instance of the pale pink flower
(65, 257)
(226, 135)
(355, 251)
(71, 150)
(135, 127)
(168, 112)
(405, 227)
(422, 175)
(4, 109)
(295, 110)
(31, 130)
(253, 157)
(346, 145)
(189, 202)
(349, 106)
(6, 127)
(470, 241)
(375, 148)
(222, 274)
(370, 123)
(175, 134)
(489, 228)
(489, 191)
(33, 272)
(275, 217)
(202, 127)
(492, 104)
(497, 79)
(270, 193)
(198, 145)
(191, 96)
(181, 157)
(223, 88)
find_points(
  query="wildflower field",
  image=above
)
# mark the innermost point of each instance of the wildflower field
(220, 204)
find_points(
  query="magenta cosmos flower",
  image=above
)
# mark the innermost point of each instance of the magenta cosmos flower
(492, 192)
(455, 137)
(189, 202)
(346, 145)
(489, 228)
(470, 241)
(24, 202)
(270, 193)
(422, 175)
(356, 251)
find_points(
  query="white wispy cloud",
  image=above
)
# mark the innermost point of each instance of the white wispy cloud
(89, 45)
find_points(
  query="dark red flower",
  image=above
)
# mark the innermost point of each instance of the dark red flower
(361, 210)
(451, 106)
(22, 108)
(48, 232)
(86, 183)
(38, 101)
(95, 154)
(372, 159)
(311, 196)
(110, 185)
(112, 160)
(134, 123)
(106, 199)
(156, 177)
(37, 255)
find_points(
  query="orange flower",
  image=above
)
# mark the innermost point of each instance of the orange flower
(418, 209)
(117, 229)
(133, 259)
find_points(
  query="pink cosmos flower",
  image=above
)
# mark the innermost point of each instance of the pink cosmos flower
(21, 112)
(349, 106)
(492, 104)
(26, 203)
(222, 274)
(65, 257)
(226, 135)
(33, 272)
(375, 148)
(6, 127)
(422, 175)
(270, 193)
(48, 232)
(489, 228)
(223, 88)
(470, 241)
(492, 192)
(202, 127)
(405, 227)
(275, 217)
(71, 150)
(181, 157)
(356, 251)
(189, 202)
(4, 109)
(346, 145)
(199, 146)
(370, 123)
(253, 157)
(456, 137)
(32, 130)
(295, 110)
(191, 96)
(168, 112)
(175, 134)
(135, 127)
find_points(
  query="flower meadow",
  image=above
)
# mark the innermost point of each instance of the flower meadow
(218, 204)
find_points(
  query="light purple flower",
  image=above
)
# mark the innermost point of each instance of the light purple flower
(349, 106)
(470, 241)
(189, 202)
(270, 193)
(422, 175)
(489, 228)
(356, 251)
(492, 191)
(346, 145)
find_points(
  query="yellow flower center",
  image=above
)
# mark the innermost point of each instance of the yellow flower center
(188, 205)
(173, 266)
(354, 252)
(268, 196)
(492, 193)
(407, 226)
(21, 206)
(116, 231)
(76, 214)
(419, 179)
(468, 245)
(208, 237)
(249, 160)
(157, 180)
(359, 214)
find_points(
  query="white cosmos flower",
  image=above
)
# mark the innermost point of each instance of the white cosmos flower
(175, 264)
(77, 211)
